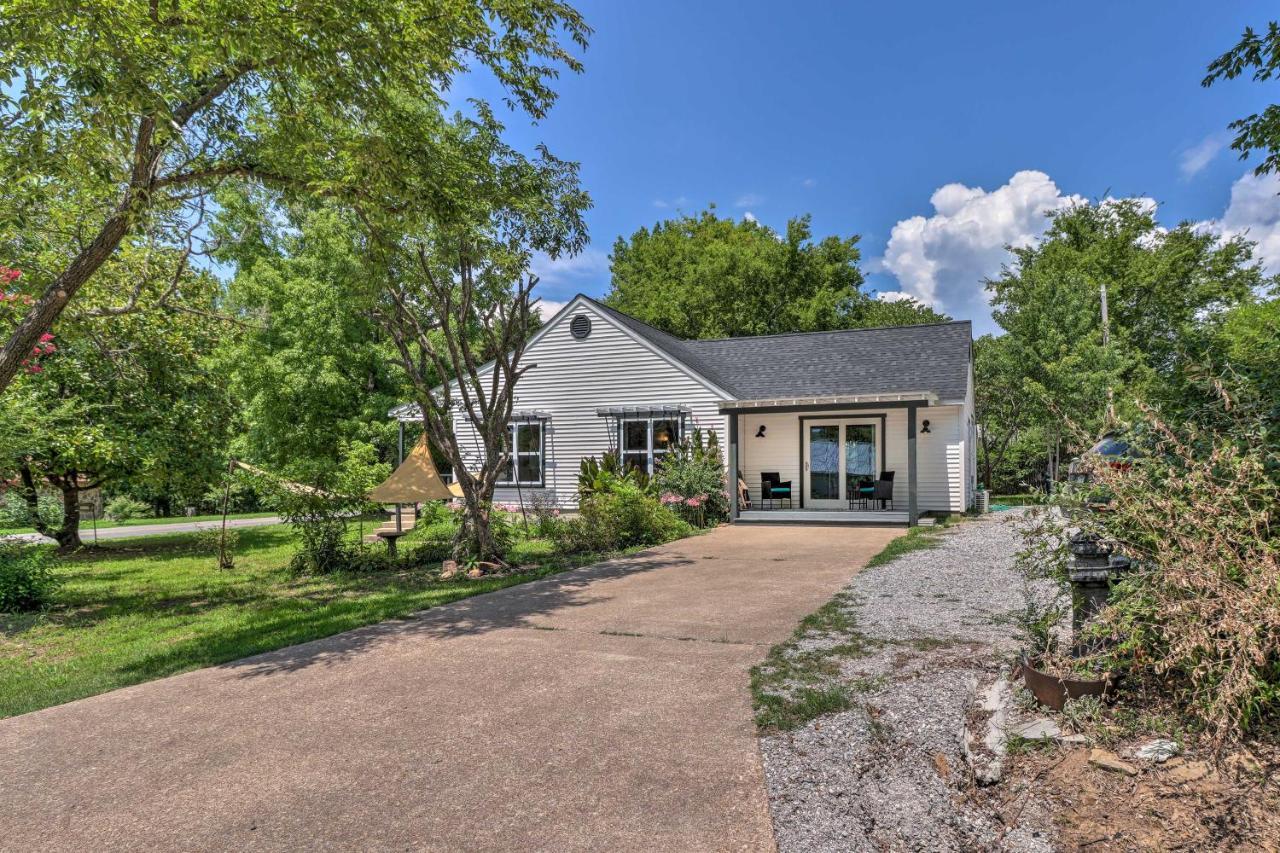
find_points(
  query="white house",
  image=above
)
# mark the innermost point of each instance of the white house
(828, 412)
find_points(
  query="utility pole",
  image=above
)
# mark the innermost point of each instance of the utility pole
(1106, 325)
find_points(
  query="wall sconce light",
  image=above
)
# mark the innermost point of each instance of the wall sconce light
(760, 431)
(924, 427)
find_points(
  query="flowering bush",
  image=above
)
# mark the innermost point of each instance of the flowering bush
(12, 306)
(691, 481)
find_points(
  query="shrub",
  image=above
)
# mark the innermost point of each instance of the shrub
(623, 517)
(545, 512)
(1203, 608)
(27, 581)
(123, 508)
(691, 481)
(603, 474)
(14, 511)
(211, 540)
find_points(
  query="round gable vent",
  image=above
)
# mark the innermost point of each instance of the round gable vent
(580, 326)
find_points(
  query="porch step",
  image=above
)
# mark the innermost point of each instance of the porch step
(823, 516)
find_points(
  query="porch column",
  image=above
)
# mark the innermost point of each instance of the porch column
(732, 474)
(913, 508)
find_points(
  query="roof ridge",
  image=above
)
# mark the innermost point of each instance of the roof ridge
(829, 331)
(679, 339)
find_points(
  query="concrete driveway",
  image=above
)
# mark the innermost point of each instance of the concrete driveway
(602, 709)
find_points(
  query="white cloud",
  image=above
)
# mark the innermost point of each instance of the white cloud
(943, 259)
(750, 217)
(548, 309)
(588, 267)
(808, 183)
(1193, 160)
(892, 295)
(1254, 214)
(749, 200)
(678, 202)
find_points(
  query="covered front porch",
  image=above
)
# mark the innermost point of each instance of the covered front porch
(835, 460)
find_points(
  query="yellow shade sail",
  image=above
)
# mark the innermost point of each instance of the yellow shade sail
(415, 481)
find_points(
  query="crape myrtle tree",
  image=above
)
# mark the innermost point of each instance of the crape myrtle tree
(707, 276)
(452, 289)
(114, 112)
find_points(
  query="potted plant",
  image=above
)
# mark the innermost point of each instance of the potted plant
(1051, 676)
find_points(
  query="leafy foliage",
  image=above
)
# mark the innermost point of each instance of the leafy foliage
(693, 472)
(27, 581)
(312, 368)
(596, 476)
(1259, 54)
(321, 511)
(1167, 290)
(118, 115)
(123, 508)
(621, 514)
(708, 277)
(1203, 609)
(129, 400)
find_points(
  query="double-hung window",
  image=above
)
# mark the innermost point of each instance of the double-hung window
(524, 450)
(645, 441)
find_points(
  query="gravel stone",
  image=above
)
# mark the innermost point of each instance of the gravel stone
(889, 773)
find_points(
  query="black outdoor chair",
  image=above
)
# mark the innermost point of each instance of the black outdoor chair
(882, 491)
(773, 488)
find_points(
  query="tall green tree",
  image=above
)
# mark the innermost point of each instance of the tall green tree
(129, 400)
(1164, 289)
(117, 112)
(312, 368)
(705, 276)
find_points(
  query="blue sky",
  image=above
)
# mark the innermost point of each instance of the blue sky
(903, 122)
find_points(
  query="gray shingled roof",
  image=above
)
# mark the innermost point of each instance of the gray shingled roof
(890, 360)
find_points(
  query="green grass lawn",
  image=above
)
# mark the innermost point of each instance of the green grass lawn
(87, 526)
(137, 609)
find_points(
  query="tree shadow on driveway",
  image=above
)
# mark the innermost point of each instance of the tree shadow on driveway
(513, 607)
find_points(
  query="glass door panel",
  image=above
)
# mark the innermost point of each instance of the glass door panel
(824, 462)
(859, 458)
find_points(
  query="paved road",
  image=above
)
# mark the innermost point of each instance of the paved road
(606, 708)
(86, 533)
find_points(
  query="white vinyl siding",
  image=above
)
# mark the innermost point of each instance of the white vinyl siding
(940, 485)
(569, 379)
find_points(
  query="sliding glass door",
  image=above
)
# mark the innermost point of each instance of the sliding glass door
(840, 459)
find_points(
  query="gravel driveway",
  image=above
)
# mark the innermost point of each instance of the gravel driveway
(889, 773)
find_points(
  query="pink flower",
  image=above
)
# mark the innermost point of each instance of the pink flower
(694, 502)
(45, 338)
(670, 498)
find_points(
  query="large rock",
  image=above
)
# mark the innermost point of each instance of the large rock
(1107, 760)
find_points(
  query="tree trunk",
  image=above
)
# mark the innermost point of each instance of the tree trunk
(68, 537)
(56, 296)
